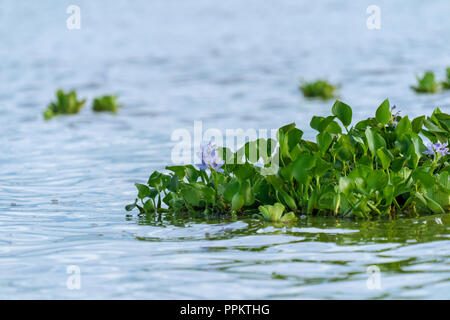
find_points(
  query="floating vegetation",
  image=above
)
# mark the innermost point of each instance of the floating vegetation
(318, 89)
(446, 83)
(275, 213)
(66, 103)
(107, 103)
(426, 84)
(387, 165)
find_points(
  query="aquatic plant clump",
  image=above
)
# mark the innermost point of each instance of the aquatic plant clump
(107, 103)
(66, 103)
(446, 83)
(426, 84)
(380, 166)
(318, 89)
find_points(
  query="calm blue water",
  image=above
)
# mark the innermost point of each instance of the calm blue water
(233, 64)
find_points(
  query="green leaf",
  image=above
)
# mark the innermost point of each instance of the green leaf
(276, 182)
(343, 112)
(443, 119)
(346, 185)
(321, 166)
(244, 171)
(192, 174)
(358, 139)
(190, 194)
(334, 128)
(398, 163)
(324, 140)
(148, 206)
(383, 113)
(424, 177)
(325, 122)
(315, 122)
(237, 202)
(376, 180)
(143, 190)
(294, 137)
(344, 149)
(433, 127)
(374, 140)
(288, 217)
(388, 193)
(286, 128)
(173, 183)
(385, 156)
(404, 126)
(272, 213)
(312, 202)
(302, 165)
(415, 152)
(155, 180)
(152, 193)
(286, 172)
(247, 193)
(180, 171)
(433, 205)
(287, 199)
(230, 190)
(131, 206)
(417, 124)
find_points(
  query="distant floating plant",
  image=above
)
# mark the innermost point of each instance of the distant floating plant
(446, 83)
(107, 103)
(378, 167)
(426, 84)
(318, 89)
(66, 103)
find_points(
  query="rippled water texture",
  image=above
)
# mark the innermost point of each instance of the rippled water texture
(231, 64)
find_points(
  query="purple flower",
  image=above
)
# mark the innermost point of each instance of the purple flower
(394, 122)
(209, 157)
(392, 111)
(437, 149)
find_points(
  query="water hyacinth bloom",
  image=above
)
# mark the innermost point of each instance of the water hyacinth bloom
(437, 149)
(209, 157)
(394, 116)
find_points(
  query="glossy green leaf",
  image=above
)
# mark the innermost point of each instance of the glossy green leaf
(383, 113)
(385, 156)
(374, 140)
(343, 112)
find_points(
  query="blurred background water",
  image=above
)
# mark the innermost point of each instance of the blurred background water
(232, 64)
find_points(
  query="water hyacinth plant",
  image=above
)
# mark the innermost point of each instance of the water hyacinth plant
(446, 83)
(107, 103)
(66, 103)
(426, 84)
(318, 89)
(377, 167)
